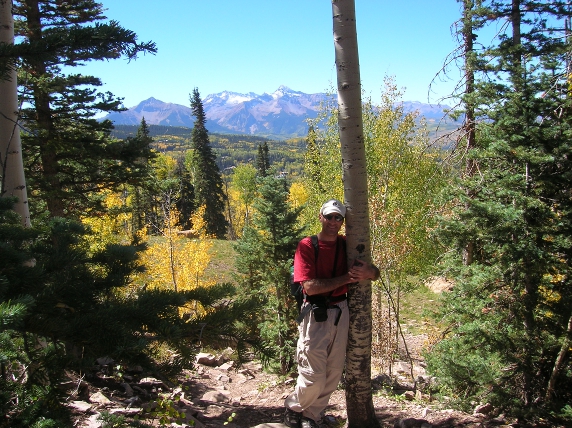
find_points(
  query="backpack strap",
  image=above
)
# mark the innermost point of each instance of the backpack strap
(314, 239)
(308, 308)
(316, 245)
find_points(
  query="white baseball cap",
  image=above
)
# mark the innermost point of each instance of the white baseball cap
(333, 206)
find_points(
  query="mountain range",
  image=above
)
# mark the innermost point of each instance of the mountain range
(281, 114)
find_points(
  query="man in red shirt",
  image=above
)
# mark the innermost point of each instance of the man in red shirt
(324, 321)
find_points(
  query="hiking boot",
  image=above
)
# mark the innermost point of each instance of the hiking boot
(331, 421)
(292, 418)
(308, 423)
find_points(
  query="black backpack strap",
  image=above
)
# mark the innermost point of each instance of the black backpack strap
(314, 239)
(307, 308)
(303, 313)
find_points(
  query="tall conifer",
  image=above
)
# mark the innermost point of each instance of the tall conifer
(263, 160)
(509, 313)
(70, 155)
(208, 182)
(265, 254)
(142, 202)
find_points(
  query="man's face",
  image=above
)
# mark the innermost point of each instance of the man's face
(331, 223)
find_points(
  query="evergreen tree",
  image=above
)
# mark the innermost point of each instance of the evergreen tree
(164, 191)
(263, 160)
(70, 154)
(186, 199)
(265, 254)
(207, 182)
(509, 315)
(312, 167)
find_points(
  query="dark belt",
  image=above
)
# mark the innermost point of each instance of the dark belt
(331, 305)
(338, 299)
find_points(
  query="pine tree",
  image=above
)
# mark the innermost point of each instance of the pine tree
(141, 201)
(70, 154)
(263, 160)
(311, 161)
(207, 182)
(186, 199)
(265, 257)
(509, 313)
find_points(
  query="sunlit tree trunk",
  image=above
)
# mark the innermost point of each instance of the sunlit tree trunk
(13, 180)
(358, 359)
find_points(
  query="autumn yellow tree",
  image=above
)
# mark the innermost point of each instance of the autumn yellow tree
(174, 261)
(112, 227)
(404, 178)
(297, 195)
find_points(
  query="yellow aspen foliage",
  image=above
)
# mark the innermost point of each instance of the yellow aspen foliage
(113, 227)
(164, 166)
(176, 262)
(238, 211)
(298, 195)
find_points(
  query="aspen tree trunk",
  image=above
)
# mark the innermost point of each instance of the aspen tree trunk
(359, 399)
(13, 180)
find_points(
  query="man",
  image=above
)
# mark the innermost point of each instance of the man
(322, 342)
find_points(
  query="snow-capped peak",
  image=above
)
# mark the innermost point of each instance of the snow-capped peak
(230, 98)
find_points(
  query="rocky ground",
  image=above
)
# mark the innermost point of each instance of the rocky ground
(217, 394)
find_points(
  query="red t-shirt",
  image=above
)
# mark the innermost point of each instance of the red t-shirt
(305, 265)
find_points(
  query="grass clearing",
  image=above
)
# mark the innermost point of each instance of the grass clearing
(221, 267)
(416, 307)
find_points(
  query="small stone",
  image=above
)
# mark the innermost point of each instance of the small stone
(226, 366)
(217, 396)
(80, 406)
(128, 389)
(206, 359)
(104, 361)
(99, 398)
(223, 378)
(409, 395)
(412, 423)
(485, 409)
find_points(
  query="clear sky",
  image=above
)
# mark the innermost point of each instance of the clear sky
(258, 45)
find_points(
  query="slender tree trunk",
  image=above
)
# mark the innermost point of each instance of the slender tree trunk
(469, 125)
(359, 402)
(13, 179)
(518, 72)
(48, 157)
(560, 362)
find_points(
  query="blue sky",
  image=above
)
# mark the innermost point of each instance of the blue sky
(258, 45)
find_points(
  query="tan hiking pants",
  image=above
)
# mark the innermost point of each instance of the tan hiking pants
(321, 355)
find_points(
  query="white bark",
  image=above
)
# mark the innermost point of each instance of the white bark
(13, 179)
(361, 412)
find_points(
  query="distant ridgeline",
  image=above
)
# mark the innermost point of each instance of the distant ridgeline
(277, 116)
(231, 149)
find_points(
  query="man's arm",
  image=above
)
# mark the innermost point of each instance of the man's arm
(359, 272)
(319, 286)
